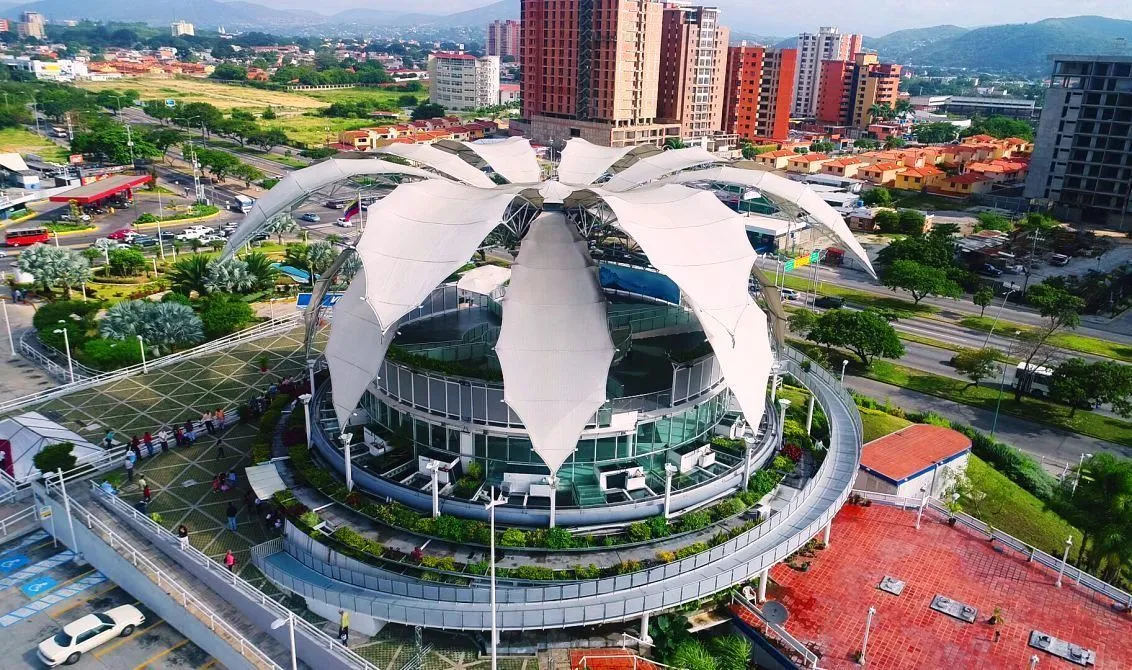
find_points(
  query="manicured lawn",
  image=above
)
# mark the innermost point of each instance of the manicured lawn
(863, 298)
(18, 140)
(1032, 409)
(1065, 340)
(877, 424)
(1013, 510)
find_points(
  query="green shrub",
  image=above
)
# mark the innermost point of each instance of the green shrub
(658, 526)
(513, 537)
(639, 532)
(693, 521)
(56, 457)
(626, 567)
(665, 556)
(533, 572)
(173, 296)
(728, 507)
(309, 519)
(222, 314)
(559, 538)
(590, 571)
(107, 354)
(691, 550)
(439, 562)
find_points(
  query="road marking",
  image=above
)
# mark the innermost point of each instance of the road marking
(28, 540)
(38, 568)
(161, 654)
(208, 665)
(58, 596)
(58, 613)
(13, 562)
(102, 651)
(38, 586)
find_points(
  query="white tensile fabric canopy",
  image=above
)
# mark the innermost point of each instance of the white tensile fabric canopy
(418, 235)
(484, 279)
(513, 158)
(583, 163)
(654, 167)
(441, 161)
(356, 347)
(27, 434)
(554, 346)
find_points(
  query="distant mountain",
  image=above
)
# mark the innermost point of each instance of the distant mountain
(1025, 47)
(378, 17)
(895, 47)
(738, 36)
(161, 12)
(481, 16)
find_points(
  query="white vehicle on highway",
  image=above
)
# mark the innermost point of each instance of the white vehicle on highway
(199, 230)
(344, 223)
(92, 630)
(109, 244)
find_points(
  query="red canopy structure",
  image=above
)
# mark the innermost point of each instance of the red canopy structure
(102, 189)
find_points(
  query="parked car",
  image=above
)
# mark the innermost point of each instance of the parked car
(87, 633)
(122, 234)
(144, 241)
(311, 216)
(344, 223)
(990, 270)
(166, 235)
(788, 294)
(1015, 269)
(829, 302)
(209, 239)
(199, 230)
(1059, 259)
(81, 217)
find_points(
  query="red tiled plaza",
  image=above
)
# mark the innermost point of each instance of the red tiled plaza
(828, 604)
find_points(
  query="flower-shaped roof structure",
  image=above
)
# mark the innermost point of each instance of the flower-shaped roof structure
(554, 346)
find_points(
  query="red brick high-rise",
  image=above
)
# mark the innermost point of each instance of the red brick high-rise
(759, 92)
(693, 57)
(590, 70)
(503, 38)
(848, 90)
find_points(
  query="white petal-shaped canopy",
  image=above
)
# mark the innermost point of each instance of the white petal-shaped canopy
(418, 235)
(441, 161)
(299, 184)
(355, 349)
(583, 163)
(513, 157)
(791, 191)
(554, 345)
(654, 167)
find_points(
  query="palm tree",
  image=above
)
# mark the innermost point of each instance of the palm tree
(262, 268)
(161, 324)
(319, 257)
(280, 226)
(902, 107)
(296, 256)
(880, 112)
(229, 276)
(190, 274)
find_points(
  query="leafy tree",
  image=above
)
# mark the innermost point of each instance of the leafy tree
(1036, 222)
(190, 274)
(200, 115)
(222, 313)
(108, 141)
(1000, 127)
(1060, 309)
(1100, 508)
(992, 221)
(55, 265)
(427, 110)
(238, 129)
(912, 222)
(822, 146)
(866, 143)
(877, 197)
(219, 163)
(920, 281)
(280, 226)
(126, 262)
(1114, 384)
(940, 132)
(983, 298)
(248, 173)
(230, 72)
(164, 138)
(55, 457)
(894, 142)
(931, 250)
(866, 333)
(266, 139)
(228, 276)
(268, 113)
(976, 364)
(1072, 384)
(887, 220)
(163, 325)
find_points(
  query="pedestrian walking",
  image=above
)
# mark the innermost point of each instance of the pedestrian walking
(230, 561)
(142, 483)
(109, 439)
(183, 536)
(206, 419)
(148, 442)
(129, 468)
(220, 418)
(232, 517)
(146, 494)
(344, 627)
(220, 447)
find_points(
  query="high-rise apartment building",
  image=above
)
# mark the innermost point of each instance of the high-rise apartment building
(179, 28)
(693, 66)
(462, 81)
(813, 49)
(503, 38)
(848, 90)
(590, 70)
(759, 92)
(32, 24)
(1082, 160)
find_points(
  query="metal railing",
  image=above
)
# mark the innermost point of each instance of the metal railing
(16, 520)
(160, 534)
(273, 327)
(639, 663)
(31, 348)
(1118, 596)
(789, 640)
(169, 584)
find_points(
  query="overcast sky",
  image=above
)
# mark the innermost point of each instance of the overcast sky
(785, 17)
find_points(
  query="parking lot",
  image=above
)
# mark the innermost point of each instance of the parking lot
(42, 589)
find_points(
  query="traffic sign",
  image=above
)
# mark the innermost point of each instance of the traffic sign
(38, 586)
(815, 256)
(789, 265)
(170, 102)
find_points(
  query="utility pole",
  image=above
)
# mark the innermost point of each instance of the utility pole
(129, 142)
(1033, 252)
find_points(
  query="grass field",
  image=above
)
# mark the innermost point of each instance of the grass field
(898, 305)
(311, 130)
(1065, 340)
(878, 424)
(18, 140)
(191, 89)
(1013, 510)
(362, 93)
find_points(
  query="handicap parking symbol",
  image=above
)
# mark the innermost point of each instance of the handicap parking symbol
(11, 563)
(38, 586)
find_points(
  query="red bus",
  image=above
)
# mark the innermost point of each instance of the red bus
(26, 237)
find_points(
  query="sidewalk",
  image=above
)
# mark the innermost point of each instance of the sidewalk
(18, 376)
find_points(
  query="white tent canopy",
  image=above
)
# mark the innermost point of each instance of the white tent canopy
(264, 480)
(442, 161)
(554, 346)
(484, 279)
(583, 163)
(27, 434)
(356, 347)
(654, 167)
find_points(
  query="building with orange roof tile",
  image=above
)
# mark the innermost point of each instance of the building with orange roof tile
(881, 174)
(809, 163)
(775, 160)
(847, 166)
(964, 185)
(1000, 170)
(920, 456)
(919, 178)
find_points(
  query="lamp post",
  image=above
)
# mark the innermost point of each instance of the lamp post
(434, 467)
(70, 518)
(8, 327)
(998, 402)
(306, 400)
(141, 346)
(783, 403)
(748, 447)
(868, 626)
(923, 501)
(997, 315)
(346, 437)
(495, 502)
(844, 364)
(290, 622)
(810, 414)
(1080, 464)
(552, 482)
(1033, 662)
(1064, 559)
(310, 371)
(669, 471)
(67, 346)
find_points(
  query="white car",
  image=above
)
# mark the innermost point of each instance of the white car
(344, 223)
(109, 244)
(197, 231)
(209, 239)
(83, 635)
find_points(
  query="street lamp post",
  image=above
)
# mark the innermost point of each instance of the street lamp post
(310, 371)
(783, 403)
(868, 627)
(8, 327)
(552, 482)
(844, 364)
(290, 622)
(998, 402)
(346, 437)
(1080, 465)
(306, 400)
(923, 501)
(67, 346)
(495, 502)
(669, 471)
(1064, 559)
(434, 467)
(141, 347)
(70, 518)
(997, 315)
